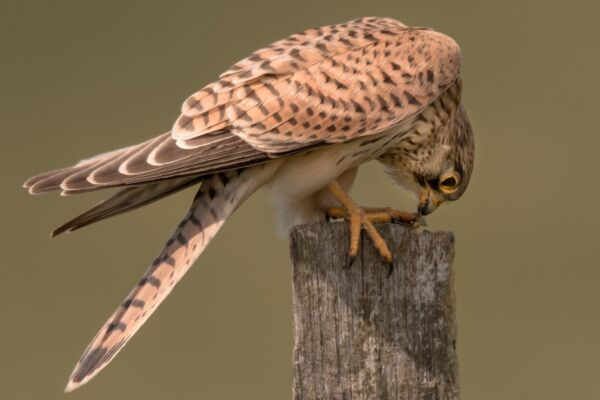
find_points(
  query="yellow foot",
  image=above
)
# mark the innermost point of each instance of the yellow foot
(363, 218)
(382, 215)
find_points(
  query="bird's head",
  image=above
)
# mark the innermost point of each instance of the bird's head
(436, 170)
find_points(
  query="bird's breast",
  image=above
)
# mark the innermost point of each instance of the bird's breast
(297, 187)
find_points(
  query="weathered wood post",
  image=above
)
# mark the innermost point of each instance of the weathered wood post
(359, 334)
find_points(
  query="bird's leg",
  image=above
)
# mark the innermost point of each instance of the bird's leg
(358, 220)
(364, 217)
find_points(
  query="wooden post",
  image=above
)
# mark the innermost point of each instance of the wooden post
(361, 335)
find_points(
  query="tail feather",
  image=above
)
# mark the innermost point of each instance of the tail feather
(219, 195)
(125, 200)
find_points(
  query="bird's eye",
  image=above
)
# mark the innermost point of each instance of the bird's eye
(449, 182)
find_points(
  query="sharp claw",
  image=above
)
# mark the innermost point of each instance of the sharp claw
(417, 221)
(390, 266)
(350, 262)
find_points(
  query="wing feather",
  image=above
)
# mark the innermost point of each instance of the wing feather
(137, 165)
(127, 199)
(325, 85)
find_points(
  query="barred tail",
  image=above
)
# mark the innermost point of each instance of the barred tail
(219, 195)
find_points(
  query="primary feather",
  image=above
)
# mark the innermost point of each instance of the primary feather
(127, 199)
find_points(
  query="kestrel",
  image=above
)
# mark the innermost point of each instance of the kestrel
(297, 117)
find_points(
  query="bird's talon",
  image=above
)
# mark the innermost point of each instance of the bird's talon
(364, 218)
(400, 221)
(350, 262)
(390, 266)
(418, 221)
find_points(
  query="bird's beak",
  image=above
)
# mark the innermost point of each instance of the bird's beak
(428, 202)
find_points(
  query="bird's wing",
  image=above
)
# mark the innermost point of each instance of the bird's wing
(321, 86)
(154, 160)
(219, 195)
(127, 199)
(325, 85)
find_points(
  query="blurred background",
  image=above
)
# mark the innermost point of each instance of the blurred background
(79, 78)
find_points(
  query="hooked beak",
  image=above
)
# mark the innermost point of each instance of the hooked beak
(428, 202)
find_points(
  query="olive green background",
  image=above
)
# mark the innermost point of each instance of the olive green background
(79, 77)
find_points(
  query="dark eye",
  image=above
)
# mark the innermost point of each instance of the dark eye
(448, 183)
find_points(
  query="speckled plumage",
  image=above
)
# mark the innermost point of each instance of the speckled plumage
(325, 85)
(292, 117)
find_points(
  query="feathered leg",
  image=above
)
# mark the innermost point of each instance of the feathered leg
(219, 195)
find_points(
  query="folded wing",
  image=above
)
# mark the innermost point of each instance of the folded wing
(325, 85)
(158, 159)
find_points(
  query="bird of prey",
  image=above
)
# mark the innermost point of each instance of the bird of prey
(297, 117)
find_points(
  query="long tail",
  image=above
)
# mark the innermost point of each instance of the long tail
(218, 196)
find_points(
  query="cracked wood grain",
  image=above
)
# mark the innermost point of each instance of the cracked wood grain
(359, 334)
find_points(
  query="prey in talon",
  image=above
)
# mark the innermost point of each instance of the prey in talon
(298, 118)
